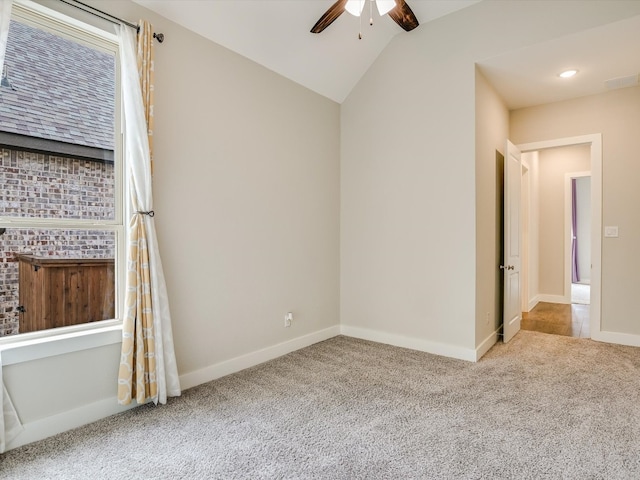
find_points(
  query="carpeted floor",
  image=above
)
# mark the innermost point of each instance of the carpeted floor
(542, 406)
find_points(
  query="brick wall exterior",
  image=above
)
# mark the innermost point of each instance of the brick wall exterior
(47, 186)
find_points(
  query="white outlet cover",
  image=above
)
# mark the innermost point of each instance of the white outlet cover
(611, 232)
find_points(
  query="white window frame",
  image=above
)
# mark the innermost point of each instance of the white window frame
(33, 345)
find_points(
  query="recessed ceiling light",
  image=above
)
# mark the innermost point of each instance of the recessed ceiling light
(568, 73)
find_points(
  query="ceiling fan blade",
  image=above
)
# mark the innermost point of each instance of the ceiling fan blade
(404, 16)
(329, 16)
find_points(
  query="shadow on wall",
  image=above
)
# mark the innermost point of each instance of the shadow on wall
(500, 236)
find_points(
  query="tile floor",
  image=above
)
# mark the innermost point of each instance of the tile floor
(581, 293)
(559, 319)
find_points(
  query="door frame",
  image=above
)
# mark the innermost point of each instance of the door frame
(525, 218)
(567, 229)
(595, 143)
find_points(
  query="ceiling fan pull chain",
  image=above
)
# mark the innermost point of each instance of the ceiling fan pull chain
(371, 13)
(360, 32)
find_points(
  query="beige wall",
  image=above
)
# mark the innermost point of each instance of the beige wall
(554, 163)
(257, 181)
(492, 129)
(616, 115)
(247, 173)
(247, 211)
(408, 226)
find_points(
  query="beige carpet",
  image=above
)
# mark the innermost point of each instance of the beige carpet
(542, 406)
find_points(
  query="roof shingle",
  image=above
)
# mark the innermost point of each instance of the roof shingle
(63, 91)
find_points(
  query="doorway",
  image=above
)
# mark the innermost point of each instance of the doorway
(553, 300)
(570, 320)
(578, 218)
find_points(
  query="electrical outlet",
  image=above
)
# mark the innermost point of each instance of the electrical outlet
(488, 318)
(288, 318)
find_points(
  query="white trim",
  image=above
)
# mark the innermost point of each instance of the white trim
(77, 417)
(617, 338)
(486, 345)
(41, 16)
(23, 347)
(62, 422)
(545, 297)
(568, 267)
(525, 235)
(70, 224)
(251, 359)
(595, 140)
(428, 346)
(18, 349)
(533, 302)
(560, 142)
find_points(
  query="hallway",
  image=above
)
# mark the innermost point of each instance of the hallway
(558, 319)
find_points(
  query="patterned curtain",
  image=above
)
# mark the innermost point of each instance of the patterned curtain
(146, 72)
(148, 369)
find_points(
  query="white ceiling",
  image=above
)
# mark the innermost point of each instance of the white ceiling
(529, 76)
(275, 34)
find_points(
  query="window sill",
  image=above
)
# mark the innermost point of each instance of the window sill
(19, 350)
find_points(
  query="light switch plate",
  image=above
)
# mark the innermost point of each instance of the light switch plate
(611, 232)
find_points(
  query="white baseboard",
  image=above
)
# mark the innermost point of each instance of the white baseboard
(48, 426)
(618, 338)
(410, 342)
(544, 297)
(486, 345)
(52, 425)
(533, 302)
(236, 364)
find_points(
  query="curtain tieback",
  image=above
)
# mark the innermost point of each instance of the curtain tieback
(151, 213)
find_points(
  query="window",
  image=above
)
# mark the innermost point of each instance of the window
(61, 203)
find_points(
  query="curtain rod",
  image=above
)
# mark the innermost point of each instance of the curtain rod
(108, 17)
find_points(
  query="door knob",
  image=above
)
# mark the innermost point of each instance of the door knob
(507, 267)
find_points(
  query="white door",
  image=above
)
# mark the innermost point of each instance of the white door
(512, 245)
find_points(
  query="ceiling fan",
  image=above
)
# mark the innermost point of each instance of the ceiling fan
(398, 10)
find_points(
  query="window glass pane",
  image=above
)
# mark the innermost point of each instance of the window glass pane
(49, 186)
(55, 277)
(57, 99)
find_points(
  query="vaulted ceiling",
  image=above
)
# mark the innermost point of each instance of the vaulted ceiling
(275, 34)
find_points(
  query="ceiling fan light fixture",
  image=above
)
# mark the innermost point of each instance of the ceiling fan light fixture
(398, 10)
(355, 7)
(385, 6)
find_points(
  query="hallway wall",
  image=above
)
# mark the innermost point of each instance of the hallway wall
(615, 114)
(554, 163)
